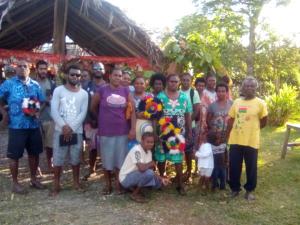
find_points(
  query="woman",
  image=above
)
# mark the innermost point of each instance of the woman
(110, 104)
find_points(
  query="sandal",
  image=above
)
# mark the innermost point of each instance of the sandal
(106, 190)
(137, 198)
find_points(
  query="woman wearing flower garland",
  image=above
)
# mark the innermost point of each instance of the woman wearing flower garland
(177, 107)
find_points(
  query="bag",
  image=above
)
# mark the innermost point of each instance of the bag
(72, 141)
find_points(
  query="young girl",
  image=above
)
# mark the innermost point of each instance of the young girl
(206, 161)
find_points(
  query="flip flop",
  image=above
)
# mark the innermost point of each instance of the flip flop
(137, 198)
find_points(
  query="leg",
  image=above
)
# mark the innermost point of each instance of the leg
(179, 188)
(56, 180)
(92, 160)
(108, 187)
(188, 159)
(14, 168)
(251, 168)
(76, 171)
(235, 167)
(117, 182)
(49, 155)
(33, 161)
(161, 168)
(222, 178)
(214, 176)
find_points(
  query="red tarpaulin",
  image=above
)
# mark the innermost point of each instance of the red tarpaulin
(9, 56)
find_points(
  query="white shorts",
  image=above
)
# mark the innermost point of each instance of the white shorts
(206, 172)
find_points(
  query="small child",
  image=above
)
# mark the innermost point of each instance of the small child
(206, 161)
(219, 171)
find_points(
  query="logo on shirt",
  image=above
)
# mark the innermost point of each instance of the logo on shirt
(138, 156)
(116, 101)
(243, 109)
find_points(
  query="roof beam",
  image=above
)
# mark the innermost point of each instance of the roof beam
(104, 31)
(25, 20)
(59, 26)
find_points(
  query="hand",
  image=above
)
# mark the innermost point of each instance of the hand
(131, 134)
(5, 119)
(67, 130)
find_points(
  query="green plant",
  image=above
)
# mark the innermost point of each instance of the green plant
(281, 105)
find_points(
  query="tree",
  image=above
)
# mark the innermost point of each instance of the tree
(250, 9)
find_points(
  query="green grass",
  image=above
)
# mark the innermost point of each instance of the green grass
(278, 199)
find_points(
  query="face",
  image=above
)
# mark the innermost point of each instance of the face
(126, 80)
(249, 88)
(221, 93)
(85, 76)
(42, 71)
(211, 83)
(23, 69)
(148, 143)
(74, 77)
(173, 83)
(158, 86)
(115, 78)
(139, 85)
(186, 82)
(200, 87)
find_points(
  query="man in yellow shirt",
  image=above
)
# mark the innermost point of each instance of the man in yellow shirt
(248, 115)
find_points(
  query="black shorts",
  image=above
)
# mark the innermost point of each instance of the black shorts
(20, 139)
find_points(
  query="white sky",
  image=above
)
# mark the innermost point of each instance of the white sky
(159, 15)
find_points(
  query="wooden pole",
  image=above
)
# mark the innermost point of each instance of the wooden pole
(59, 27)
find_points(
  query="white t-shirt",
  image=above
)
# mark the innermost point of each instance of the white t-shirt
(136, 155)
(205, 156)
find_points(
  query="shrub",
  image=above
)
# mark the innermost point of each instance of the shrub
(281, 105)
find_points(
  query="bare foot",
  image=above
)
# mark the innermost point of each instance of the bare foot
(137, 198)
(54, 193)
(19, 189)
(37, 184)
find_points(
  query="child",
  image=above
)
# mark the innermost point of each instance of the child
(219, 172)
(206, 160)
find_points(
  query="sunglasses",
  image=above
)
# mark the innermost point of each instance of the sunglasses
(22, 66)
(75, 74)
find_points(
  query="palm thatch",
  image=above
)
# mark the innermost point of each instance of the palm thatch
(95, 25)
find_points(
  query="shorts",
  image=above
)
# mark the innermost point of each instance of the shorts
(47, 132)
(161, 156)
(113, 151)
(60, 153)
(20, 139)
(206, 172)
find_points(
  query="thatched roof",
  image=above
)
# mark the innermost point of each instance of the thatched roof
(97, 26)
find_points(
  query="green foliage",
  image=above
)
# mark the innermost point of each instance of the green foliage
(282, 105)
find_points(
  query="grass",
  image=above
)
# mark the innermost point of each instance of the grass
(278, 199)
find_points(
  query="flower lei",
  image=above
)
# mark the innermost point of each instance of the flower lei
(30, 106)
(171, 135)
(151, 107)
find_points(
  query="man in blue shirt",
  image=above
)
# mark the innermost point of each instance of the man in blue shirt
(24, 131)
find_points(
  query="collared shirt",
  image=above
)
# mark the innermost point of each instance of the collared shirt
(14, 91)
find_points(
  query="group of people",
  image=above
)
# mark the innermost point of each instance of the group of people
(107, 117)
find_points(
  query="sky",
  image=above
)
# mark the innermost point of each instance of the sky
(159, 15)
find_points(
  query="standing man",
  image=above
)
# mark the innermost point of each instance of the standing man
(248, 115)
(24, 132)
(68, 110)
(47, 86)
(193, 96)
(177, 106)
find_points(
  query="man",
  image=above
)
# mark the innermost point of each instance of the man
(47, 86)
(177, 106)
(248, 115)
(137, 169)
(193, 96)
(68, 110)
(24, 132)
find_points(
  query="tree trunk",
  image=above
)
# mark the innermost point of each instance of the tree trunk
(252, 46)
(59, 28)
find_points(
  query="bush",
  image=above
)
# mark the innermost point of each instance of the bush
(281, 105)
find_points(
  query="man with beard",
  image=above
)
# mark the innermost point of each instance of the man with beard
(24, 132)
(68, 110)
(47, 86)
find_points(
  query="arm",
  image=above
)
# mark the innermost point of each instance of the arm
(208, 119)
(55, 110)
(81, 116)
(132, 119)
(145, 166)
(196, 111)
(263, 122)
(229, 127)
(94, 108)
(188, 124)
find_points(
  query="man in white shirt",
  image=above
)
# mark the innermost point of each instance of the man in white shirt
(137, 169)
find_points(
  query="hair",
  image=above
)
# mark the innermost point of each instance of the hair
(157, 76)
(116, 68)
(186, 74)
(74, 67)
(147, 134)
(134, 79)
(40, 62)
(172, 75)
(250, 78)
(210, 74)
(86, 70)
(222, 84)
(200, 80)
(211, 137)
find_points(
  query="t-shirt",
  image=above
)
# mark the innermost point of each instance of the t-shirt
(219, 154)
(68, 107)
(246, 126)
(205, 156)
(176, 108)
(196, 100)
(112, 107)
(46, 87)
(14, 91)
(136, 155)
(219, 120)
